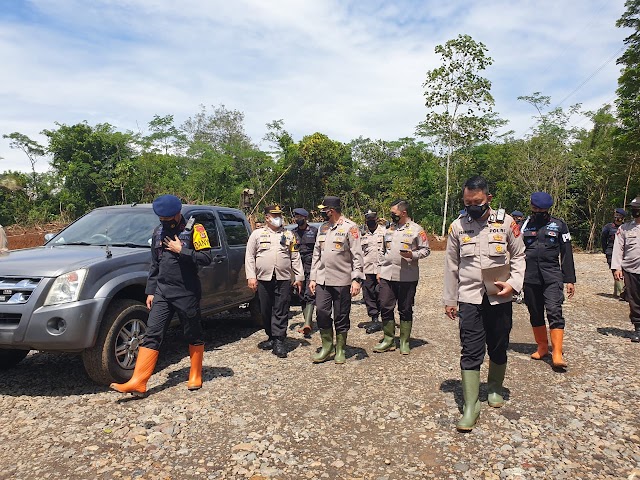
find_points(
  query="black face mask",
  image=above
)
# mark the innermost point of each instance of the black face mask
(372, 224)
(540, 217)
(169, 225)
(395, 217)
(301, 222)
(476, 211)
(635, 213)
(324, 215)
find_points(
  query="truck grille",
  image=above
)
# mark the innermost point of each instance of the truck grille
(10, 319)
(16, 290)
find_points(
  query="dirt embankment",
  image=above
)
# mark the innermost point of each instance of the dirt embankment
(33, 236)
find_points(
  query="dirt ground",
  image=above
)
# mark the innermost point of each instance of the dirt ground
(378, 417)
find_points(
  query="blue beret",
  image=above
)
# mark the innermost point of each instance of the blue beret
(541, 200)
(621, 211)
(301, 211)
(167, 206)
(517, 213)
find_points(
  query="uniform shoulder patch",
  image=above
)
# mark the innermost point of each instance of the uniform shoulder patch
(423, 235)
(515, 228)
(355, 233)
(200, 237)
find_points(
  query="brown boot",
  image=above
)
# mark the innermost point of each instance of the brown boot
(145, 363)
(196, 353)
(557, 335)
(540, 334)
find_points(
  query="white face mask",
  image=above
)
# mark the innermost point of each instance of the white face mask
(276, 221)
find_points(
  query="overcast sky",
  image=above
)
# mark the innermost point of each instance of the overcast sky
(346, 68)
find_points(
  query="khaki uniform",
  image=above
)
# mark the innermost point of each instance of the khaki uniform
(372, 244)
(337, 255)
(408, 237)
(626, 257)
(337, 261)
(474, 246)
(479, 253)
(626, 248)
(3, 241)
(271, 251)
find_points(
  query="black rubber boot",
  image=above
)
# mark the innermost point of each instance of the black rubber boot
(374, 326)
(266, 344)
(636, 336)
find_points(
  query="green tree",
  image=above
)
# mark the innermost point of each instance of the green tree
(459, 101)
(32, 149)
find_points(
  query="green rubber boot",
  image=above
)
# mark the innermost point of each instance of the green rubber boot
(327, 346)
(341, 343)
(308, 319)
(618, 287)
(388, 341)
(405, 334)
(494, 384)
(470, 391)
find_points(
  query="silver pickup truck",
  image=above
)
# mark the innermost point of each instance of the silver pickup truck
(83, 291)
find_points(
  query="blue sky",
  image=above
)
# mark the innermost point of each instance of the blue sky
(344, 68)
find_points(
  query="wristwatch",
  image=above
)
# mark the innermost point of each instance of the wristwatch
(359, 280)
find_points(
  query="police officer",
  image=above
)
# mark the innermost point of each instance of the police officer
(179, 247)
(626, 263)
(606, 239)
(518, 216)
(306, 239)
(371, 241)
(484, 266)
(336, 275)
(271, 261)
(405, 242)
(4, 247)
(546, 238)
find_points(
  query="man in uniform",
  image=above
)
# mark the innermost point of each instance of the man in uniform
(546, 238)
(336, 275)
(607, 238)
(306, 239)
(4, 247)
(179, 247)
(405, 243)
(372, 238)
(518, 216)
(271, 261)
(626, 264)
(484, 266)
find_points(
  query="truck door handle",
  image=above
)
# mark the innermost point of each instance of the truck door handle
(219, 258)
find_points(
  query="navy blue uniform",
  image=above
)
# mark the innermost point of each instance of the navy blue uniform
(549, 266)
(174, 283)
(607, 238)
(306, 241)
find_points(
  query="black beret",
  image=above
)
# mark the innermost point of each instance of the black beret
(541, 200)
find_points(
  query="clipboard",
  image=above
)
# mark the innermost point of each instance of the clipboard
(495, 274)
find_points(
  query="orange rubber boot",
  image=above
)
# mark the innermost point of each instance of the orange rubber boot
(540, 334)
(145, 363)
(557, 335)
(196, 353)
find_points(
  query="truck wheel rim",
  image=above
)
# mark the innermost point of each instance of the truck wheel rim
(129, 339)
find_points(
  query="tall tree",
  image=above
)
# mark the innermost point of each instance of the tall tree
(32, 149)
(459, 101)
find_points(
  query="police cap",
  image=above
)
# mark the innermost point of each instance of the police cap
(329, 202)
(275, 209)
(370, 214)
(517, 213)
(301, 211)
(621, 211)
(541, 200)
(167, 206)
(635, 203)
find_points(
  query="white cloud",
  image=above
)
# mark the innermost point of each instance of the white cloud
(343, 68)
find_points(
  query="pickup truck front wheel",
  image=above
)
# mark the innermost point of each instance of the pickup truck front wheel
(114, 355)
(10, 358)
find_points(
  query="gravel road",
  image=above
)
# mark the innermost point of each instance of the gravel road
(379, 416)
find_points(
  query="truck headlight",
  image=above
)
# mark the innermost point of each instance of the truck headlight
(66, 288)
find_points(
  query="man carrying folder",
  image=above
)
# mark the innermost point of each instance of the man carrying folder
(484, 266)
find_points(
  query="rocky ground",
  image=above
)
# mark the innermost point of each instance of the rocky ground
(379, 416)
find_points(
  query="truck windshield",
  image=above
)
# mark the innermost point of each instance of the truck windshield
(113, 226)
